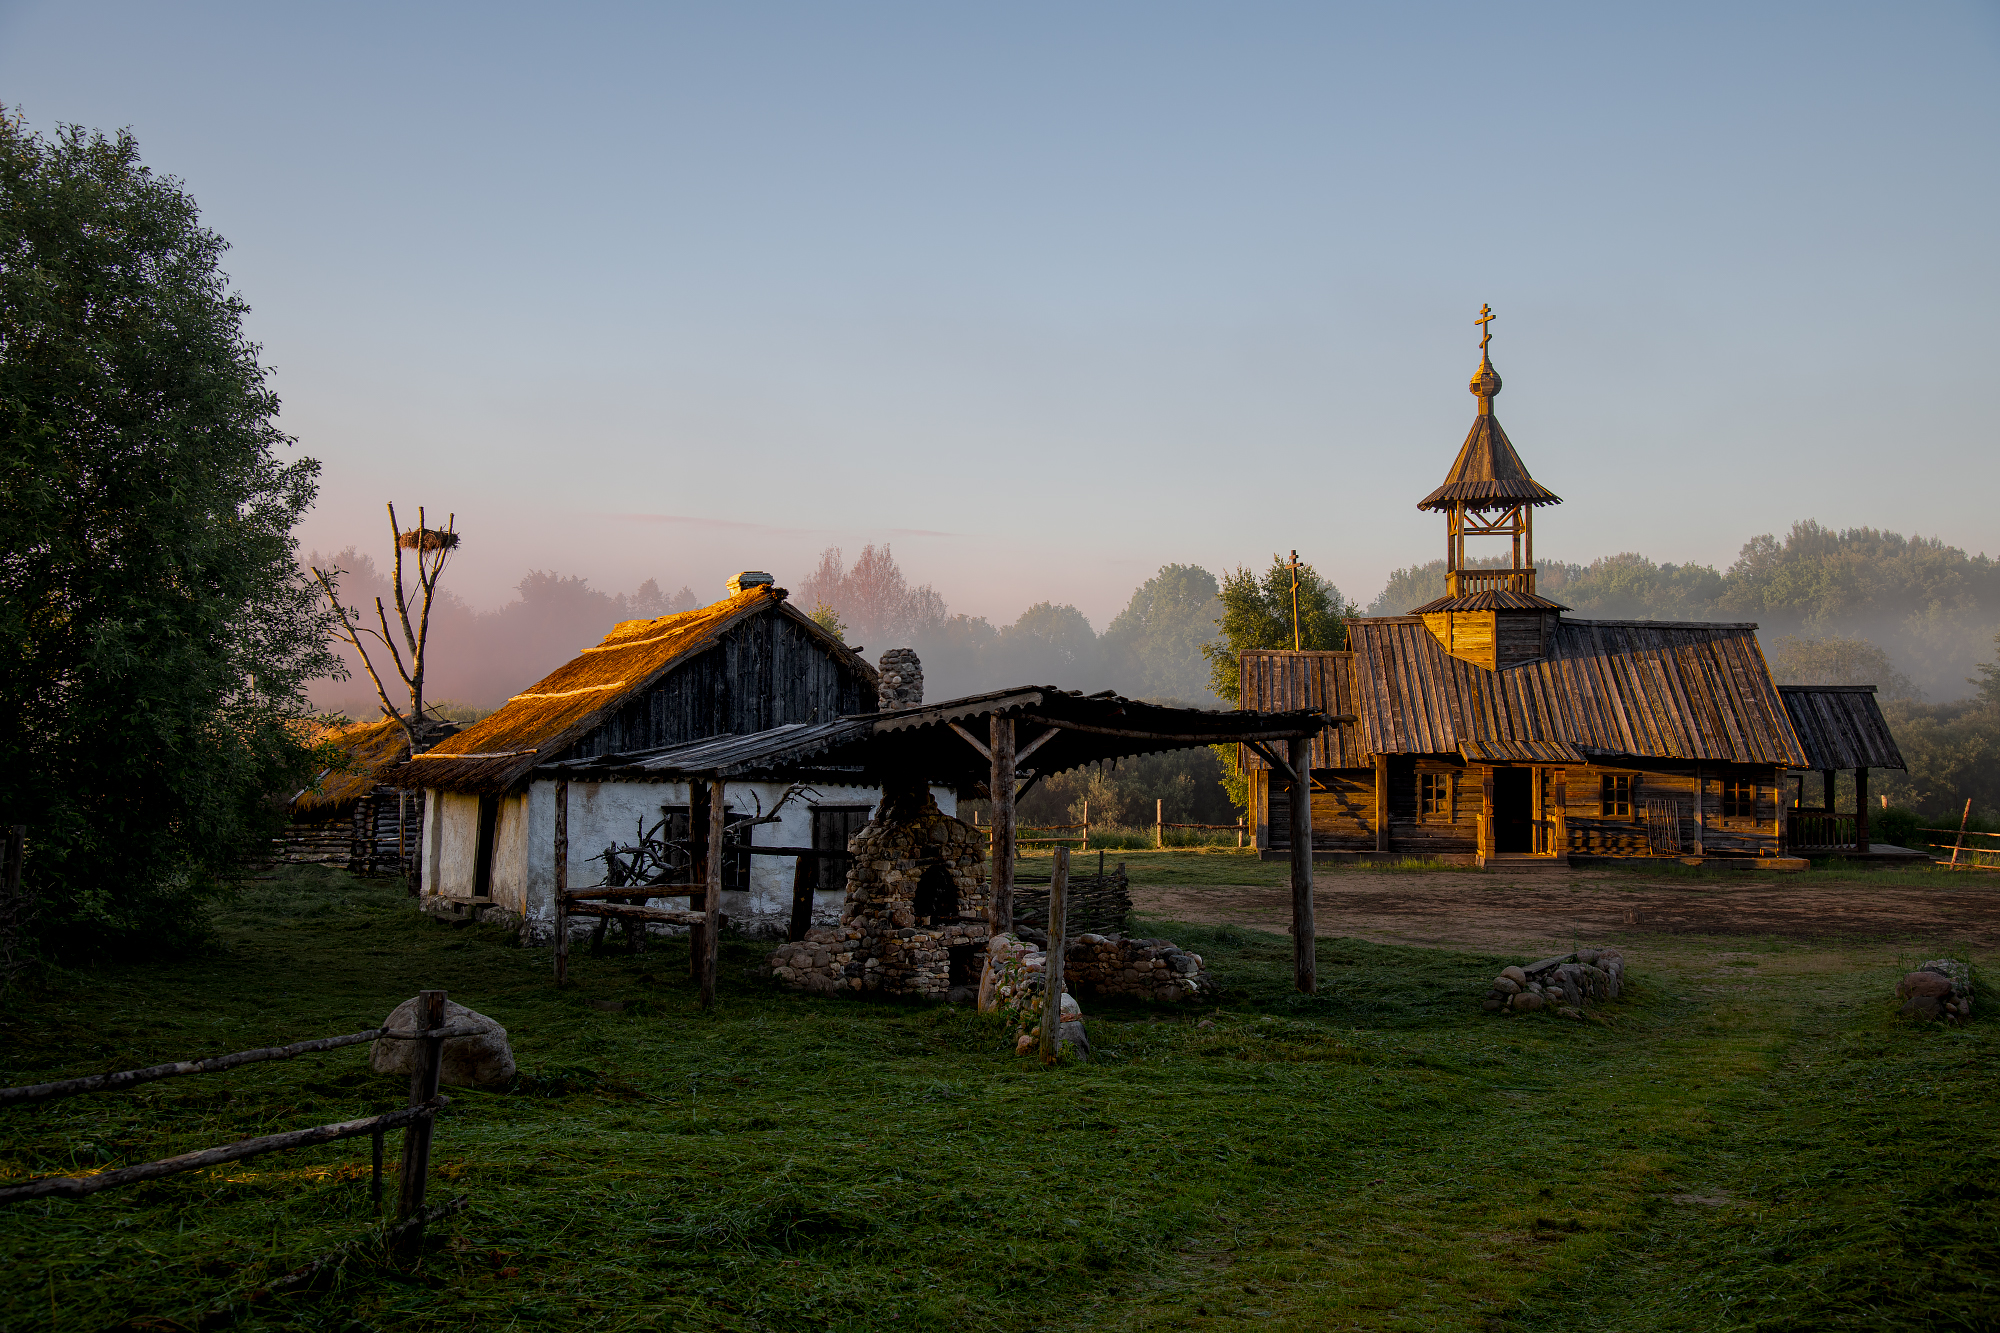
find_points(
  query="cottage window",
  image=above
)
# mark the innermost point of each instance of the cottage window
(1739, 799)
(1617, 796)
(1434, 794)
(833, 825)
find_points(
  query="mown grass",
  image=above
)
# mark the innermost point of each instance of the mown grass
(1381, 1155)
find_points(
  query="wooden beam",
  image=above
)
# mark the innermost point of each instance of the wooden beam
(835, 853)
(643, 893)
(562, 881)
(1382, 802)
(1219, 738)
(1052, 966)
(698, 867)
(1034, 745)
(802, 899)
(973, 741)
(711, 924)
(1001, 913)
(626, 912)
(1861, 810)
(1305, 959)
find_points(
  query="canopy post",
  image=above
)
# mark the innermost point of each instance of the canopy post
(1002, 789)
(712, 898)
(1305, 962)
(1861, 812)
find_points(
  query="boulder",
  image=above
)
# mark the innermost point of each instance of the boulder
(483, 1060)
(1506, 985)
(1515, 975)
(1527, 999)
(1923, 1006)
(1929, 984)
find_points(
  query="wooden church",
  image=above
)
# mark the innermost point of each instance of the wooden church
(1487, 726)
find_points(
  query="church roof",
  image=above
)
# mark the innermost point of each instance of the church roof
(1488, 474)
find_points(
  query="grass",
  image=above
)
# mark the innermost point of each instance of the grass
(1381, 1155)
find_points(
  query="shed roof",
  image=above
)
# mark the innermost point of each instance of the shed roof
(567, 704)
(370, 749)
(1841, 726)
(1649, 689)
(1056, 730)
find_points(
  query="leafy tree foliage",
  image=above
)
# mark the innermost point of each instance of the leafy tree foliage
(157, 631)
(1153, 647)
(1835, 660)
(1257, 613)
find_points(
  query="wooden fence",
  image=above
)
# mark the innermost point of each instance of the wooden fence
(1960, 850)
(1098, 903)
(415, 1120)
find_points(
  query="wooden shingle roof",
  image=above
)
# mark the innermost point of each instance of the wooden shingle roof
(1649, 689)
(1841, 726)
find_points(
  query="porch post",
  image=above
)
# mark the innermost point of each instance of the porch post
(1826, 776)
(1861, 811)
(1305, 961)
(712, 899)
(1001, 787)
(1381, 802)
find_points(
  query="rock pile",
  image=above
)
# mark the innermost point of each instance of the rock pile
(1564, 984)
(1142, 969)
(1014, 985)
(1941, 989)
(914, 922)
(902, 683)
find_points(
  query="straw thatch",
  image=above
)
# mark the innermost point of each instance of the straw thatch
(543, 721)
(370, 747)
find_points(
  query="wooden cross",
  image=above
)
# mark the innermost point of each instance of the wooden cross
(1486, 316)
(1294, 567)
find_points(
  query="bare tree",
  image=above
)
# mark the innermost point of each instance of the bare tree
(432, 548)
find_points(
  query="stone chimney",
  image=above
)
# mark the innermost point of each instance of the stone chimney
(902, 680)
(749, 578)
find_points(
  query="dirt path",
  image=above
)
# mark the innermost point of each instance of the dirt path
(1489, 912)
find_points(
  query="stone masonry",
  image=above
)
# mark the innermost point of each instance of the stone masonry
(902, 680)
(914, 922)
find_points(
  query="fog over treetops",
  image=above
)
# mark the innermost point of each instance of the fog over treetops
(1910, 614)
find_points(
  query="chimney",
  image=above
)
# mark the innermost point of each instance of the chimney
(902, 680)
(749, 578)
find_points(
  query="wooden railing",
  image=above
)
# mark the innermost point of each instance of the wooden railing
(1964, 857)
(1818, 828)
(1470, 581)
(415, 1119)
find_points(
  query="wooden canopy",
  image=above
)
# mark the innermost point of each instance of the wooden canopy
(1488, 474)
(1841, 726)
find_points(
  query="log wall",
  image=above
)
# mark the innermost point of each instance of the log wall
(1344, 809)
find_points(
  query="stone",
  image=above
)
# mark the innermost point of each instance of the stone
(1568, 1012)
(1206, 1023)
(1490, 1004)
(1922, 1006)
(1515, 975)
(1506, 985)
(483, 1060)
(1931, 984)
(1527, 1000)
(1588, 957)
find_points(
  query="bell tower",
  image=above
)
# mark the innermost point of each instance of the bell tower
(1490, 615)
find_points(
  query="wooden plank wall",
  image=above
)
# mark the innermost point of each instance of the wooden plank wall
(766, 672)
(1343, 809)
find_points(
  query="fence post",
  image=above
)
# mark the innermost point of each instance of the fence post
(1052, 966)
(417, 1138)
(1159, 832)
(1084, 846)
(1955, 847)
(1241, 826)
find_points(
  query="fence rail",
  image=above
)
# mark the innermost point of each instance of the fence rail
(416, 1120)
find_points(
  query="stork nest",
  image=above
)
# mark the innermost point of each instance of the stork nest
(427, 539)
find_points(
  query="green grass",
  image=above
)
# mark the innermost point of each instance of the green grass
(1381, 1155)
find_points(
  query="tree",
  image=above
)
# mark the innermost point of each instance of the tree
(1257, 613)
(1988, 679)
(873, 599)
(431, 548)
(1834, 660)
(158, 632)
(1153, 647)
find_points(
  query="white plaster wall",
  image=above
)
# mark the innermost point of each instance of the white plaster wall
(510, 855)
(601, 813)
(457, 829)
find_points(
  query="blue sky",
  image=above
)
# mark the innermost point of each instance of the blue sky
(1050, 295)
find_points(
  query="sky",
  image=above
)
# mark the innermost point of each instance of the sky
(1049, 295)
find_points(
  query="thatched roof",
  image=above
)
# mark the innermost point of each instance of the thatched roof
(540, 723)
(371, 747)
